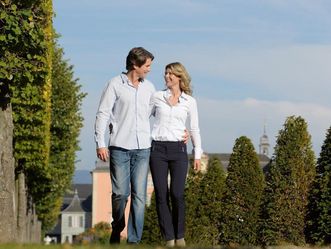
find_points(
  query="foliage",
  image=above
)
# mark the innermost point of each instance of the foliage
(192, 202)
(318, 229)
(243, 196)
(66, 121)
(212, 187)
(26, 78)
(26, 49)
(151, 232)
(204, 193)
(23, 45)
(99, 234)
(288, 183)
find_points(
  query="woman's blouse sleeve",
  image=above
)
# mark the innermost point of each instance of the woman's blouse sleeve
(194, 129)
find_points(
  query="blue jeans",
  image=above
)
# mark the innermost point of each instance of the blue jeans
(128, 170)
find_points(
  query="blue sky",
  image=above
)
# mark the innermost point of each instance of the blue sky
(252, 62)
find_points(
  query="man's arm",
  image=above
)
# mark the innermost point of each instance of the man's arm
(103, 115)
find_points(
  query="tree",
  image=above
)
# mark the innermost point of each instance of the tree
(243, 196)
(192, 203)
(26, 78)
(25, 71)
(211, 192)
(289, 181)
(318, 228)
(8, 219)
(66, 121)
(151, 232)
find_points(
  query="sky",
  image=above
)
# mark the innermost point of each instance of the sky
(253, 63)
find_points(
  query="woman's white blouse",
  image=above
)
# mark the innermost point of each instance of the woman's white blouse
(170, 120)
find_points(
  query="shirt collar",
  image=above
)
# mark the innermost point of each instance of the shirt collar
(126, 80)
(167, 94)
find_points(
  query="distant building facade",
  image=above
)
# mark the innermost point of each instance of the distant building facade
(225, 158)
(75, 216)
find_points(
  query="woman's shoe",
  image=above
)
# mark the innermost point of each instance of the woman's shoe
(180, 242)
(170, 243)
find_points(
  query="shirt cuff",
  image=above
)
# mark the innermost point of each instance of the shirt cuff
(100, 145)
(197, 153)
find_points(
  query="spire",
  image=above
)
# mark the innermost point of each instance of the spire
(264, 128)
(264, 142)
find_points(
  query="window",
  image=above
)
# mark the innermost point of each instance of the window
(70, 221)
(75, 221)
(81, 221)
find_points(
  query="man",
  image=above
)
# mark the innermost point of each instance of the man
(125, 104)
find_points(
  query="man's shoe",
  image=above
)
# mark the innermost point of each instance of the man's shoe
(132, 243)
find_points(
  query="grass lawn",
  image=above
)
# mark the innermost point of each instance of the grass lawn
(68, 246)
(125, 246)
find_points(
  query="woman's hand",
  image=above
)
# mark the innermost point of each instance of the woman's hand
(186, 136)
(197, 165)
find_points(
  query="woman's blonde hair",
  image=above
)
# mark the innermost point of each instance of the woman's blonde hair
(185, 80)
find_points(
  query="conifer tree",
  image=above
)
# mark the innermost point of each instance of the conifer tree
(289, 181)
(192, 203)
(318, 227)
(209, 209)
(151, 232)
(243, 196)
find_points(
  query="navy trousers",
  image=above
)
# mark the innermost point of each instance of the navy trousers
(169, 157)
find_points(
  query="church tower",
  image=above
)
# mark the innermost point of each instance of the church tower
(264, 143)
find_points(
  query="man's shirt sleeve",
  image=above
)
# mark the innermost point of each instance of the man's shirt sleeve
(104, 113)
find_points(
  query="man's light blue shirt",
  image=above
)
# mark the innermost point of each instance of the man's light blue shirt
(127, 108)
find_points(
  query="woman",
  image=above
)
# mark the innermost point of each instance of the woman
(171, 108)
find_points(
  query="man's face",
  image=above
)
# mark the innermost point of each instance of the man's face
(144, 69)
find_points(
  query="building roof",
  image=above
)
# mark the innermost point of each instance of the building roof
(225, 158)
(84, 192)
(75, 205)
(101, 166)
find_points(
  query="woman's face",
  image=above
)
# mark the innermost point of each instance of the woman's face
(171, 79)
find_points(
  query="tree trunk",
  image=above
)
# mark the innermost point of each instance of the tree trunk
(7, 177)
(22, 207)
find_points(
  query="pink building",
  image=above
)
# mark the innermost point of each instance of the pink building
(101, 195)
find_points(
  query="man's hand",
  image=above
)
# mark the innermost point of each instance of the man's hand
(186, 136)
(197, 165)
(103, 154)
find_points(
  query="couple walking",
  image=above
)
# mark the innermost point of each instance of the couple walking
(126, 105)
